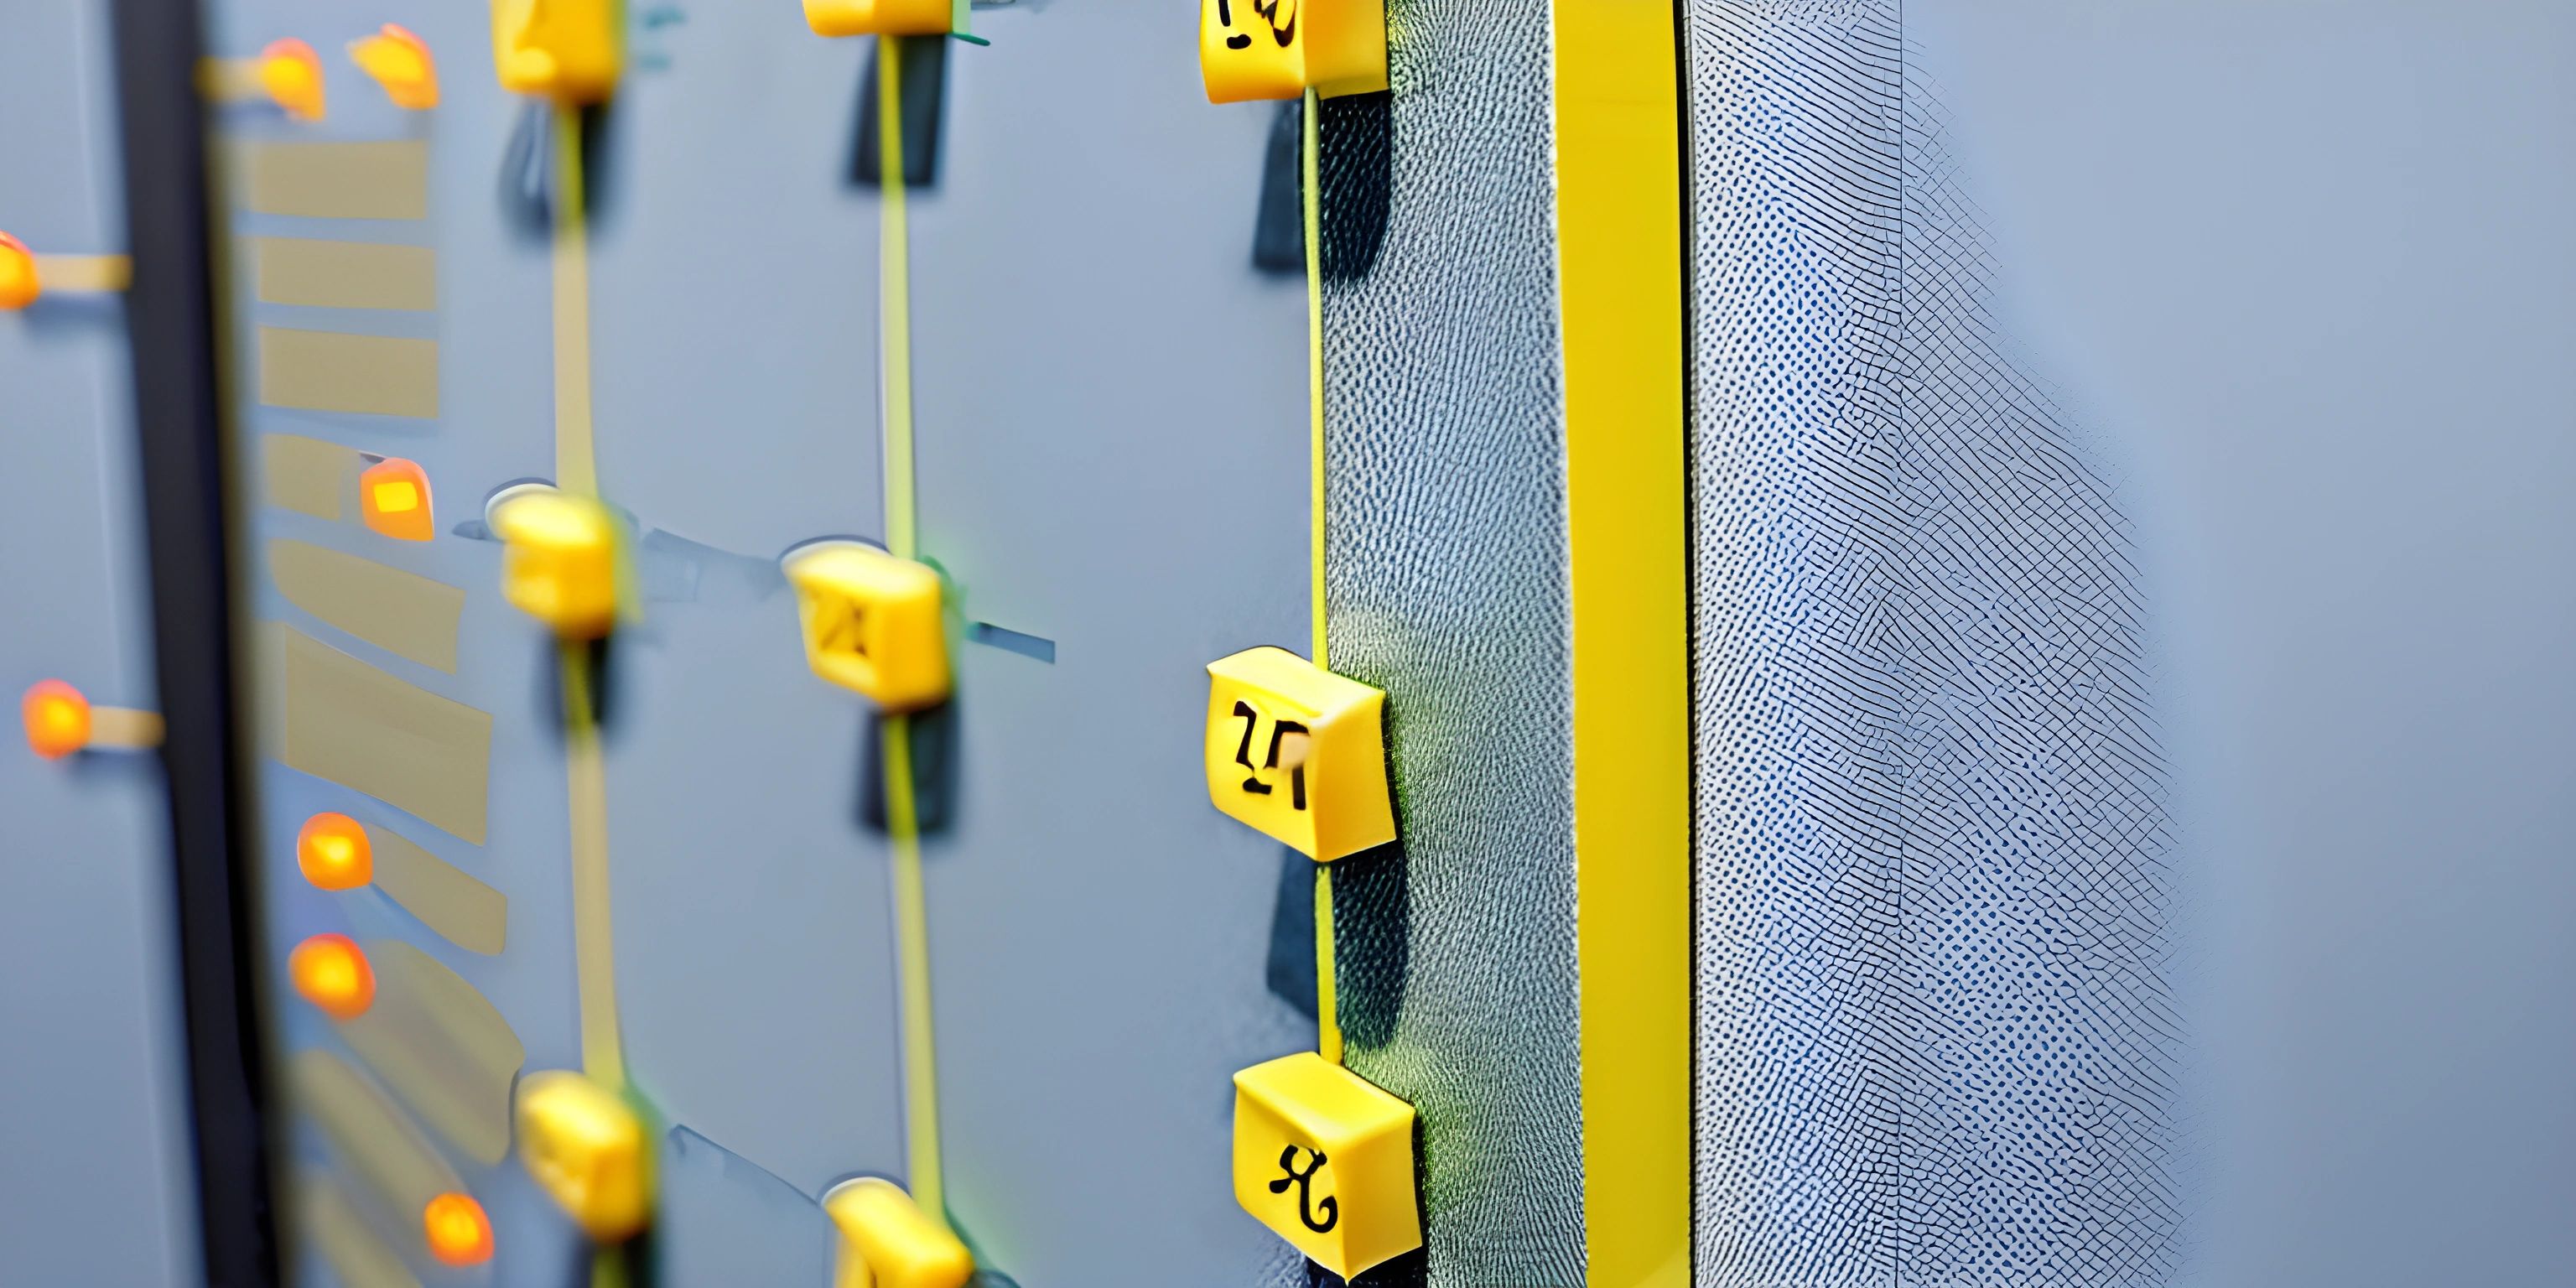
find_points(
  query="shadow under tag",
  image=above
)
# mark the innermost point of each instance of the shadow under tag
(603, 683)
(1411, 1270)
(529, 167)
(1372, 938)
(1279, 225)
(925, 77)
(1291, 973)
(934, 759)
(1356, 170)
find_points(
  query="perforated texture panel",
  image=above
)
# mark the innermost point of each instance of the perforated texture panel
(1446, 586)
(1935, 1038)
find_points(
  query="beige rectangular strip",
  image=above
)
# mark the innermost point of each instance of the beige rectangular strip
(76, 273)
(334, 371)
(403, 614)
(383, 180)
(443, 1047)
(321, 274)
(357, 1256)
(472, 915)
(306, 475)
(341, 719)
(370, 1134)
(124, 727)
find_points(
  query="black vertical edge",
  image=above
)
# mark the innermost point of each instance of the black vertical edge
(170, 323)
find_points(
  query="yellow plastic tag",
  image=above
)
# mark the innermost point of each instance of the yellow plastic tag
(1298, 753)
(566, 50)
(872, 623)
(1325, 1159)
(1253, 49)
(879, 17)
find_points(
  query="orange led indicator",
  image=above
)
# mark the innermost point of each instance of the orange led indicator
(400, 62)
(393, 498)
(19, 285)
(292, 74)
(458, 1232)
(333, 852)
(333, 975)
(57, 719)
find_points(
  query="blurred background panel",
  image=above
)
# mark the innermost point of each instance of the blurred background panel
(95, 1181)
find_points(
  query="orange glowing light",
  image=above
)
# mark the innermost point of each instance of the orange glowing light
(57, 719)
(400, 62)
(19, 285)
(292, 74)
(333, 852)
(458, 1232)
(393, 498)
(333, 975)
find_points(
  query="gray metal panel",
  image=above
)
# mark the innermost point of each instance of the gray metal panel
(94, 1165)
(1111, 456)
(1446, 586)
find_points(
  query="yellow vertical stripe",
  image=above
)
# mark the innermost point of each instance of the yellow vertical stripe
(594, 960)
(1328, 1025)
(911, 911)
(1618, 151)
(575, 467)
(585, 776)
(894, 321)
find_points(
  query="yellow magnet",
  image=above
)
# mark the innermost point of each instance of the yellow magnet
(897, 1245)
(879, 17)
(393, 499)
(291, 73)
(1250, 49)
(1298, 753)
(19, 284)
(399, 61)
(1325, 1159)
(872, 623)
(586, 1149)
(560, 565)
(566, 50)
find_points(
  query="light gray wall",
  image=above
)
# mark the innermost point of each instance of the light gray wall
(94, 1172)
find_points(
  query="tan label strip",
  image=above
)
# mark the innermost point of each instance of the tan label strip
(124, 727)
(80, 273)
(334, 371)
(470, 914)
(357, 1256)
(386, 180)
(344, 274)
(442, 1046)
(403, 614)
(370, 1134)
(341, 719)
(306, 475)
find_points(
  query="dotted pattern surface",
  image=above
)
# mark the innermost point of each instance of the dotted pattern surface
(1936, 1042)
(1446, 585)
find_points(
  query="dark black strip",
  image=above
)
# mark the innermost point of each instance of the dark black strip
(170, 322)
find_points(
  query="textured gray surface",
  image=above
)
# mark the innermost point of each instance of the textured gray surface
(95, 1178)
(2293, 262)
(1446, 586)
(1937, 1037)
(2306, 262)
